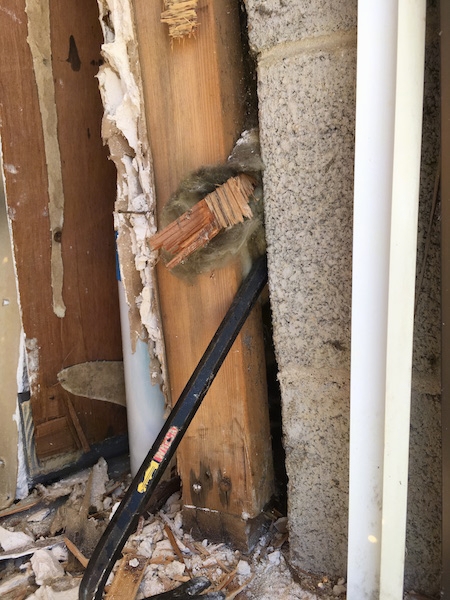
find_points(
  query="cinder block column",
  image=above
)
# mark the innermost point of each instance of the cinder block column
(307, 106)
(307, 75)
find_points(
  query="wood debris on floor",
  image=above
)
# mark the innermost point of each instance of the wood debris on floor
(47, 539)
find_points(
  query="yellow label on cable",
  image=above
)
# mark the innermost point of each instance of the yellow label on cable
(158, 457)
(142, 487)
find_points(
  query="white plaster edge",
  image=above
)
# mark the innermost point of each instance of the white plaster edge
(124, 130)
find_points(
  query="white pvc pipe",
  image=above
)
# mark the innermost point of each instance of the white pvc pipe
(375, 102)
(402, 274)
(145, 402)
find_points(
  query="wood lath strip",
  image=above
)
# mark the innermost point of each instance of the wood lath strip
(229, 202)
(191, 223)
(225, 207)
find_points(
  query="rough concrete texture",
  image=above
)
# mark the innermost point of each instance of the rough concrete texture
(423, 534)
(307, 108)
(423, 537)
(427, 333)
(315, 403)
(306, 56)
(274, 22)
(306, 121)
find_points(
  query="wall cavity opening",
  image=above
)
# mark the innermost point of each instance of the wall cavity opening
(273, 386)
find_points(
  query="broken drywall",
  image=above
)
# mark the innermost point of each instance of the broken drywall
(124, 130)
(32, 347)
(38, 13)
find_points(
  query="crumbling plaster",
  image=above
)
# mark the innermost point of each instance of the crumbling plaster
(306, 62)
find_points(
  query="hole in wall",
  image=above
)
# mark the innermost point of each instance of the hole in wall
(273, 386)
(275, 412)
(250, 77)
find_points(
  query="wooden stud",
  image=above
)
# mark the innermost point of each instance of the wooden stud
(194, 109)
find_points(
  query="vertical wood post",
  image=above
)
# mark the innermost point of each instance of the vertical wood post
(194, 103)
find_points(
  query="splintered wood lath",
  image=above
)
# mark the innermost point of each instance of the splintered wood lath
(181, 17)
(224, 207)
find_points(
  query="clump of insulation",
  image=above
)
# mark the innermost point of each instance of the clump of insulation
(245, 239)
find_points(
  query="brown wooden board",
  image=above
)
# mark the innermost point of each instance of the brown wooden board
(194, 95)
(90, 328)
(128, 577)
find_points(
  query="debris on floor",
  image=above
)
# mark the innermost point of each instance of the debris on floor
(48, 537)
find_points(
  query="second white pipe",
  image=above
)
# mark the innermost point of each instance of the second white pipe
(374, 144)
(145, 402)
(402, 276)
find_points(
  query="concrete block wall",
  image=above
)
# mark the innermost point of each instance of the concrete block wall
(306, 62)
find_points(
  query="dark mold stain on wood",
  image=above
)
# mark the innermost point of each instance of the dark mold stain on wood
(73, 58)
